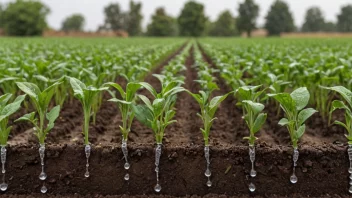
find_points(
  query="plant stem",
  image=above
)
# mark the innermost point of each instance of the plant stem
(86, 125)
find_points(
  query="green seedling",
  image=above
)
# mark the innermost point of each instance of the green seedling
(41, 101)
(339, 104)
(86, 95)
(293, 105)
(6, 110)
(158, 114)
(125, 107)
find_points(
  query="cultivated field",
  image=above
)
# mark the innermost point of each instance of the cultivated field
(176, 117)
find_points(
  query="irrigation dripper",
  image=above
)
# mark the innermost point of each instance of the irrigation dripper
(207, 172)
(3, 185)
(125, 155)
(157, 187)
(293, 177)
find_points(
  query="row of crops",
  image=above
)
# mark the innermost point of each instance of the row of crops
(295, 78)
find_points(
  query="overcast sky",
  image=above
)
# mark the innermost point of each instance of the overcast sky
(93, 9)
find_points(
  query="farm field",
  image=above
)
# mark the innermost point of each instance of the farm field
(79, 75)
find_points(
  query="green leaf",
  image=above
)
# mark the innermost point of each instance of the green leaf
(46, 96)
(197, 97)
(77, 87)
(146, 101)
(28, 117)
(143, 114)
(52, 116)
(158, 106)
(283, 122)
(342, 124)
(119, 101)
(301, 97)
(286, 101)
(304, 115)
(131, 90)
(4, 99)
(118, 88)
(29, 88)
(259, 122)
(338, 104)
(345, 93)
(255, 107)
(12, 107)
(149, 88)
(215, 102)
(300, 131)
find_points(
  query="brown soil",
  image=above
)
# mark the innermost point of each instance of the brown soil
(322, 165)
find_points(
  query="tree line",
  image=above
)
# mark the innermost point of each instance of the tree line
(28, 18)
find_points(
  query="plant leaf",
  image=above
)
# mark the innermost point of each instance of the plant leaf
(118, 88)
(27, 117)
(301, 97)
(119, 101)
(12, 107)
(285, 100)
(259, 122)
(283, 122)
(256, 107)
(300, 131)
(305, 114)
(149, 88)
(52, 116)
(143, 114)
(131, 90)
(345, 93)
(29, 88)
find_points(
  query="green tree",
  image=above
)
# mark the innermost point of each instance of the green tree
(25, 18)
(192, 21)
(344, 19)
(162, 24)
(115, 19)
(1, 15)
(134, 21)
(74, 22)
(279, 19)
(224, 26)
(329, 27)
(248, 14)
(314, 20)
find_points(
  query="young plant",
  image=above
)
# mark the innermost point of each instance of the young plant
(208, 108)
(6, 110)
(252, 114)
(125, 106)
(86, 95)
(41, 101)
(339, 104)
(293, 105)
(158, 114)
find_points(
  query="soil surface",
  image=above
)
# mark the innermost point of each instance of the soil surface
(322, 165)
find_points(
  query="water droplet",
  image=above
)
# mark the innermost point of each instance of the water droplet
(251, 187)
(350, 170)
(86, 174)
(127, 166)
(157, 188)
(3, 186)
(207, 173)
(350, 189)
(293, 179)
(156, 169)
(350, 182)
(3, 171)
(127, 177)
(43, 189)
(351, 176)
(209, 183)
(253, 173)
(42, 176)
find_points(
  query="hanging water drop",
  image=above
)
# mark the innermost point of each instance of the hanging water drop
(253, 173)
(42, 176)
(157, 188)
(43, 189)
(251, 187)
(350, 189)
(3, 187)
(127, 166)
(127, 177)
(209, 183)
(293, 178)
(207, 173)
(87, 150)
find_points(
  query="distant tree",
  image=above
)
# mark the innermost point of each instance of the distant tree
(329, 27)
(279, 19)
(224, 25)
(115, 19)
(134, 19)
(162, 24)
(248, 14)
(344, 19)
(192, 21)
(74, 22)
(25, 18)
(314, 20)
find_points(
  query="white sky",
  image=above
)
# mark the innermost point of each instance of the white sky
(93, 9)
